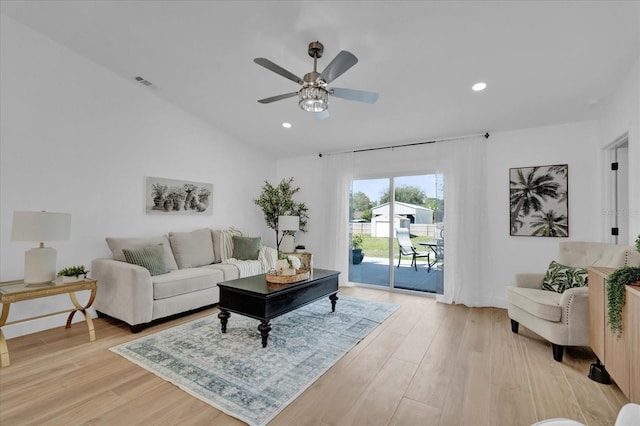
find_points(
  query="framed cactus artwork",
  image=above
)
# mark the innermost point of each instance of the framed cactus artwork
(170, 196)
(538, 200)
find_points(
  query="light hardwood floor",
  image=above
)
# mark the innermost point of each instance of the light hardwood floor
(429, 364)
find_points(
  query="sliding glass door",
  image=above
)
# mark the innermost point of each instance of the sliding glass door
(400, 243)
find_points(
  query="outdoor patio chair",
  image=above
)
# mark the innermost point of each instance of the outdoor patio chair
(407, 248)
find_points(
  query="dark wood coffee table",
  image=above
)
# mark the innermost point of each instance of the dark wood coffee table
(256, 298)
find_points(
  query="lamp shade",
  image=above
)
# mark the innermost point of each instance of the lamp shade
(288, 223)
(40, 226)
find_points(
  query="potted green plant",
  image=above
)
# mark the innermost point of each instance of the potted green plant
(638, 243)
(73, 273)
(356, 248)
(278, 201)
(616, 283)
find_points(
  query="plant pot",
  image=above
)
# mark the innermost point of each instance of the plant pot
(72, 279)
(356, 256)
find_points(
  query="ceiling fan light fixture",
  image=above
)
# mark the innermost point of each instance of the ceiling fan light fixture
(313, 99)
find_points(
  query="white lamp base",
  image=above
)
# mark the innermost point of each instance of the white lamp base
(40, 265)
(287, 244)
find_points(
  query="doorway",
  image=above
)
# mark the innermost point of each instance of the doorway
(382, 207)
(619, 191)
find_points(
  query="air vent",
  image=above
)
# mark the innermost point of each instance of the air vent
(142, 80)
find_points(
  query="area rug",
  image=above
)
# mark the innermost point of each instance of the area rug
(236, 375)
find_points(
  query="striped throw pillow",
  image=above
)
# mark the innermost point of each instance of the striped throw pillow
(150, 257)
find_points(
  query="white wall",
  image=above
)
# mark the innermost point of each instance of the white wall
(622, 115)
(77, 138)
(573, 144)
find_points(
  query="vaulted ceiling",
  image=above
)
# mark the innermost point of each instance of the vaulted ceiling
(544, 63)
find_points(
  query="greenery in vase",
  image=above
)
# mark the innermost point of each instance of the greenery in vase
(278, 201)
(638, 243)
(73, 271)
(615, 294)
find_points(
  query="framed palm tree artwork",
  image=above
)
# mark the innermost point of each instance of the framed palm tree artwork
(538, 201)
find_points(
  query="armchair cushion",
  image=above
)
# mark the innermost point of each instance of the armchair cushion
(561, 277)
(540, 303)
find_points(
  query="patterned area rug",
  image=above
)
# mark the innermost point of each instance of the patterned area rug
(233, 373)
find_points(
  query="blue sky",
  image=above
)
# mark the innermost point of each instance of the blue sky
(374, 188)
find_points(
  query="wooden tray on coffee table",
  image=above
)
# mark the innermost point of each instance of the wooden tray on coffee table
(301, 275)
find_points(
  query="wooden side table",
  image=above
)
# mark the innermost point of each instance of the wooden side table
(17, 291)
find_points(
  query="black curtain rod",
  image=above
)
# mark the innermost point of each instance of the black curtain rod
(486, 136)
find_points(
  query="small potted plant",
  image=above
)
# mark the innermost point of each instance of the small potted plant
(616, 283)
(356, 249)
(300, 248)
(73, 273)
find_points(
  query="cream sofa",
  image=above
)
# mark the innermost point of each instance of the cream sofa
(196, 262)
(563, 318)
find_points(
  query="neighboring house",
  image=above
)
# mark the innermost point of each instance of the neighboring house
(404, 215)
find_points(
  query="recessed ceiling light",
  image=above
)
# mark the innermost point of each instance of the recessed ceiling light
(286, 125)
(479, 86)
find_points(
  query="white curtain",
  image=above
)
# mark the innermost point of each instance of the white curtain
(463, 164)
(338, 172)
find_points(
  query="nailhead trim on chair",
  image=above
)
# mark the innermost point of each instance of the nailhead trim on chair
(566, 319)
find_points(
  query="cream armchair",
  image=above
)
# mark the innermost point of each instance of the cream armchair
(563, 318)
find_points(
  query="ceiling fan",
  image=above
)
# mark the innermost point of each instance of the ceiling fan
(313, 96)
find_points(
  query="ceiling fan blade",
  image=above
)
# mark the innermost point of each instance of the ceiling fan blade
(322, 115)
(341, 63)
(277, 98)
(278, 69)
(354, 95)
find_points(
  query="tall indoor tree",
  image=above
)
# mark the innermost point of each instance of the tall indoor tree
(278, 201)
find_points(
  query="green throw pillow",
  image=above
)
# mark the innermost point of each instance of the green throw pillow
(246, 248)
(150, 257)
(561, 277)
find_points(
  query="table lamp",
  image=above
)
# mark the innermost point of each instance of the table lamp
(40, 262)
(287, 225)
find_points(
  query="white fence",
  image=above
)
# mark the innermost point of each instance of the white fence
(422, 230)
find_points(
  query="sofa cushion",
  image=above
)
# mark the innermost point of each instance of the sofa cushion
(541, 303)
(561, 277)
(192, 249)
(245, 248)
(216, 236)
(185, 281)
(230, 272)
(150, 257)
(117, 244)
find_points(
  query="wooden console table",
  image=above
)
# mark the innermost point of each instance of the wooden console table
(17, 291)
(620, 356)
